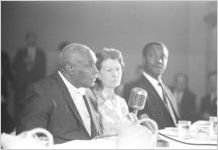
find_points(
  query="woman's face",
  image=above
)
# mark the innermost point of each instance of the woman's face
(111, 73)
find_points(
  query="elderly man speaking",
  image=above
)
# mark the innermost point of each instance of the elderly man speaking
(58, 103)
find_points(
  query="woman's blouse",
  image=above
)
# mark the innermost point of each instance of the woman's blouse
(114, 111)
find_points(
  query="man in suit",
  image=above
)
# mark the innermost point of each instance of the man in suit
(29, 65)
(185, 98)
(160, 104)
(59, 102)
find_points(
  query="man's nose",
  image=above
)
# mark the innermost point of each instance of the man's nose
(160, 60)
(115, 73)
(95, 70)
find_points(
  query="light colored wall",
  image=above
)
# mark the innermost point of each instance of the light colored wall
(127, 26)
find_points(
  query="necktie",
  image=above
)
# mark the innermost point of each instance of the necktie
(167, 103)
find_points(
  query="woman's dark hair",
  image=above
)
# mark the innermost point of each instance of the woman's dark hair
(107, 53)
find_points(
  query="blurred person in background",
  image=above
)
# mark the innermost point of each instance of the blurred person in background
(113, 108)
(7, 123)
(59, 102)
(29, 65)
(185, 98)
(208, 105)
(160, 104)
(62, 44)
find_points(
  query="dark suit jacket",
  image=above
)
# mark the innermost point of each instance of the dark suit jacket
(188, 106)
(154, 106)
(49, 105)
(208, 106)
(6, 74)
(7, 123)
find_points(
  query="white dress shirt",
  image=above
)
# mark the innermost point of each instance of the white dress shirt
(77, 97)
(154, 83)
(31, 53)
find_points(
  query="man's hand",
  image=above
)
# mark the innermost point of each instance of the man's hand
(149, 123)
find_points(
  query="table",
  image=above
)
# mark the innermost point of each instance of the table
(191, 143)
(110, 143)
(174, 143)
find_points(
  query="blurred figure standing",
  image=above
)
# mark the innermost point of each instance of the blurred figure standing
(7, 123)
(185, 98)
(209, 101)
(29, 65)
(62, 44)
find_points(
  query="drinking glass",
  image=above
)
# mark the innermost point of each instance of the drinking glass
(213, 126)
(184, 128)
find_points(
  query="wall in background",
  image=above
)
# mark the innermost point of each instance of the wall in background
(126, 26)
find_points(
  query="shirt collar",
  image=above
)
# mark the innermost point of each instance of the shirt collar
(151, 79)
(80, 91)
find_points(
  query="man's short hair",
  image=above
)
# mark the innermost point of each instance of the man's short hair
(151, 44)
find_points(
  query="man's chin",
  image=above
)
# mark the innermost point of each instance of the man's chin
(91, 85)
(157, 74)
(159, 71)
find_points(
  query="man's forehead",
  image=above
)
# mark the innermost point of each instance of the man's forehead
(89, 58)
(93, 56)
(158, 49)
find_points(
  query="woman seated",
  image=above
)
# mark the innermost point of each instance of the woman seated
(112, 107)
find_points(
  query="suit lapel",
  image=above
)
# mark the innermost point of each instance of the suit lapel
(68, 99)
(148, 86)
(172, 100)
(94, 122)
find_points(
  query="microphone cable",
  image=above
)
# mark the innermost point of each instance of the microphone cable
(199, 144)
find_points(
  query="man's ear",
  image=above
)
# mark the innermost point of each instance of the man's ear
(71, 68)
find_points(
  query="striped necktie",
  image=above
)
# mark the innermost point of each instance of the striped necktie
(167, 103)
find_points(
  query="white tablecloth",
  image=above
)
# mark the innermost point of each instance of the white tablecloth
(110, 143)
(12, 141)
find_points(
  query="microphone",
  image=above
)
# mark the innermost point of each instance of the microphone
(137, 99)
